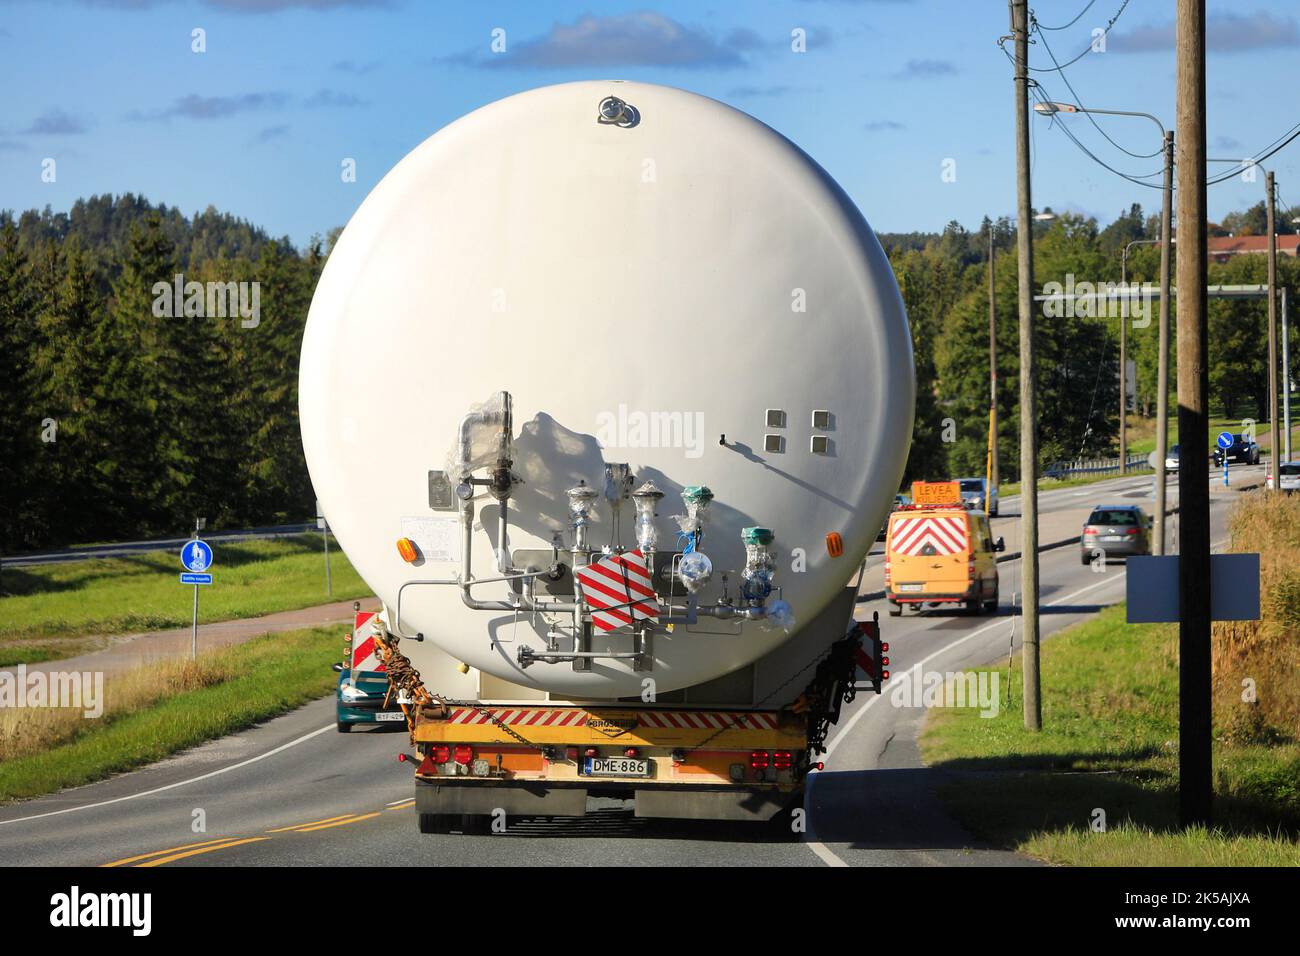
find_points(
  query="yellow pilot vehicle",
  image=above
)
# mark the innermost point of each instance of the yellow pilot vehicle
(939, 551)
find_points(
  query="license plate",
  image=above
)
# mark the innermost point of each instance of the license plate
(910, 587)
(616, 767)
(1112, 537)
(390, 715)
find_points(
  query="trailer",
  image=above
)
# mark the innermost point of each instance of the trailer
(606, 388)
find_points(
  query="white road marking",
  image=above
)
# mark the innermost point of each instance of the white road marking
(173, 786)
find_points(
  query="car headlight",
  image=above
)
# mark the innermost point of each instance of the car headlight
(350, 692)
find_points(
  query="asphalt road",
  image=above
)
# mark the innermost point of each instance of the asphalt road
(294, 792)
(119, 548)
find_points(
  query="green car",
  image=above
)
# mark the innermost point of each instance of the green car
(363, 684)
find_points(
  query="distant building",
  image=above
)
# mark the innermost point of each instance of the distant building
(1222, 248)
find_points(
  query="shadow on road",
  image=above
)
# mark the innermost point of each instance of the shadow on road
(889, 810)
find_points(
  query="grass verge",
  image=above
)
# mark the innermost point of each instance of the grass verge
(1108, 753)
(155, 711)
(51, 611)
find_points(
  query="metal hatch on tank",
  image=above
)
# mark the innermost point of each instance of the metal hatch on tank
(678, 304)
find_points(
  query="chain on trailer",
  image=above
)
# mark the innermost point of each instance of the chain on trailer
(404, 678)
(833, 685)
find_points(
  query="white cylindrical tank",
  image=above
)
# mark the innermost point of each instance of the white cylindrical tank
(641, 288)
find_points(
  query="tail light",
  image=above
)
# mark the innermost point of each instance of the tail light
(631, 752)
(759, 759)
(591, 752)
(884, 647)
(886, 571)
(464, 753)
(884, 662)
(570, 753)
(783, 760)
(1090, 530)
(441, 753)
(1131, 531)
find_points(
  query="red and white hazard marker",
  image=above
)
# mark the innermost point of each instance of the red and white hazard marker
(618, 590)
(365, 650)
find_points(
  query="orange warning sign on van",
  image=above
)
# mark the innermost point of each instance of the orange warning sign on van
(934, 493)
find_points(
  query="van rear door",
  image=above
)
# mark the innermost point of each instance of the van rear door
(929, 552)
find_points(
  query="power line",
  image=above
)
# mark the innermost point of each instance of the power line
(1078, 99)
(1105, 33)
(1072, 22)
(1278, 144)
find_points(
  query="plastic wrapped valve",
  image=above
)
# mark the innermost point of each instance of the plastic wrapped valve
(760, 566)
(695, 569)
(646, 499)
(484, 437)
(779, 615)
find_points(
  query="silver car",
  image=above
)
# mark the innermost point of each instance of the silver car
(1289, 472)
(977, 493)
(1116, 531)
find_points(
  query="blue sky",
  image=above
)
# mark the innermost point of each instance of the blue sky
(886, 92)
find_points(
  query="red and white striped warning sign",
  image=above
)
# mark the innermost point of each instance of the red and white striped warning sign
(525, 716)
(618, 590)
(707, 720)
(365, 652)
(929, 534)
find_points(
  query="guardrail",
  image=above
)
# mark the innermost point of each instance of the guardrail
(1095, 466)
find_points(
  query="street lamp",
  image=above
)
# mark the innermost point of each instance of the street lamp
(1162, 385)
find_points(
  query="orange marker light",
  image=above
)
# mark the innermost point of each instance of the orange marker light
(407, 549)
(834, 544)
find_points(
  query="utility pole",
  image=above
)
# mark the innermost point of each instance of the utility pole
(1275, 433)
(993, 372)
(1028, 374)
(1195, 760)
(1162, 365)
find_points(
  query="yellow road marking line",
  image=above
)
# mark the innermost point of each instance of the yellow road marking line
(403, 805)
(206, 849)
(145, 856)
(310, 823)
(326, 826)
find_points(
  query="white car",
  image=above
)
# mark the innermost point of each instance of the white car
(1290, 472)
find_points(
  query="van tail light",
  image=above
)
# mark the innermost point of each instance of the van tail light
(464, 753)
(570, 753)
(591, 752)
(441, 753)
(759, 759)
(631, 752)
(783, 760)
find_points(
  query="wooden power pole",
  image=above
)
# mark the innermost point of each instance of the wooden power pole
(1275, 434)
(1194, 754)
(993, 371)
(1028, 375)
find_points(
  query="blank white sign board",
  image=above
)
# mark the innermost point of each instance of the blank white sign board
(1153, 588)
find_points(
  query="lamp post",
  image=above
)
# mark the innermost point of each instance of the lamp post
(1162, 374)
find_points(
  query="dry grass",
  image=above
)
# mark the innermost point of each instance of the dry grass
(30, 730)
(1265, 653)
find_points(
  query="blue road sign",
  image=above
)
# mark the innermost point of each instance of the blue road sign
(190, 578)
(1225, 439)
(196, 556)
